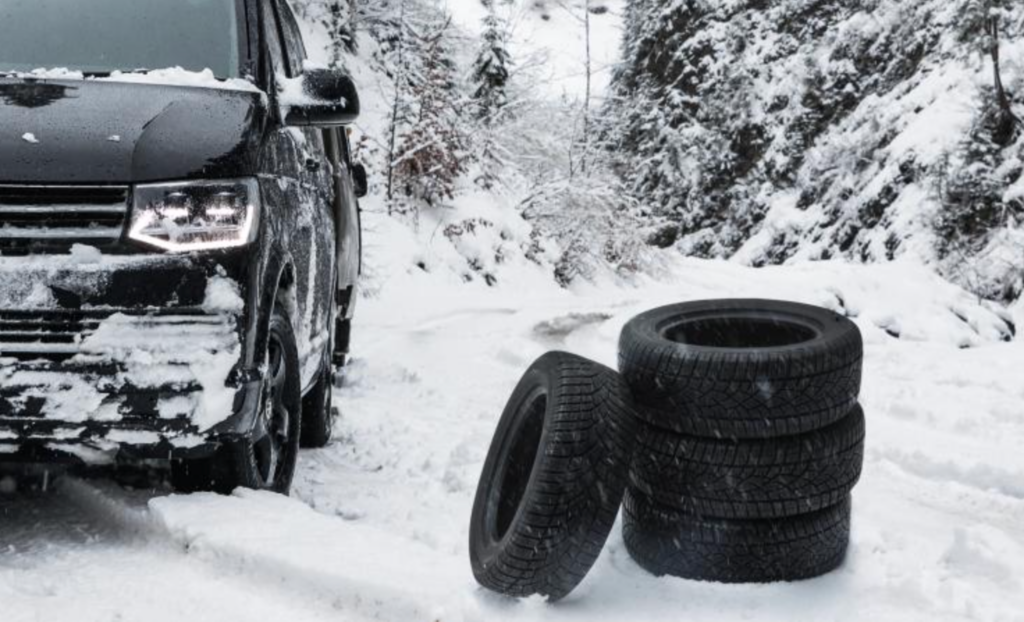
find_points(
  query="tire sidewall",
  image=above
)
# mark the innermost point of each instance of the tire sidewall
(535, 384)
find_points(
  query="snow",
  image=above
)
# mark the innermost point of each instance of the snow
(223, 295)
(156, 351)
(377, 526)
(176, 76)
(83, 254)
(291, 92)
(52, 73)
(170, 76)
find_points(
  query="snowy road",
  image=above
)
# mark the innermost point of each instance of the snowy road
(377, 527)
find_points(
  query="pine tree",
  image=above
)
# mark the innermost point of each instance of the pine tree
(393, 36)
(492, 68)
(490, 84)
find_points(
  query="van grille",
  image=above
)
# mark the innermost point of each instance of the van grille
(57, 335)
(31, 334)
(41, 219)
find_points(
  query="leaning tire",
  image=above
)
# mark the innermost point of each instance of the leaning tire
(553, 480)
(770, 478)
(668, 542)
(247, 462)
(742, 368)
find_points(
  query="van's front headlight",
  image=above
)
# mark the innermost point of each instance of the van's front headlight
(196, 215)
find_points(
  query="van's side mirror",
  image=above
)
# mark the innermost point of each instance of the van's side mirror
(359, 181)
(324, 98)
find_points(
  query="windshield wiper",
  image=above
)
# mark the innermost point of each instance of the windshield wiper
(107, 74)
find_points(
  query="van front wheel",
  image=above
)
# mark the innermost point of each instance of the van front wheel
(266, 458)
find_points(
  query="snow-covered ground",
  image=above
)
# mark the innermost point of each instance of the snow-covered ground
(377, 526)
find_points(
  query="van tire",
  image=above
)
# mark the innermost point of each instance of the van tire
(246, 462)
(318, 413)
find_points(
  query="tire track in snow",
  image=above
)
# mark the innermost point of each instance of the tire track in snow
(90, 551)
(981, 477)
(39, 523)
(101, 504)
(968, 504)
(278, 544)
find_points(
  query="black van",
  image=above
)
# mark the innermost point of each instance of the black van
(179, 237)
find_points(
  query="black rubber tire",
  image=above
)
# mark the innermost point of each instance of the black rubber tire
(668, 542)
(742, 368)
(235, 463)
(769, 478)
(318, 411)
(553, 480)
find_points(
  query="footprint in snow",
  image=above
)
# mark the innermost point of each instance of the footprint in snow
(559, 328)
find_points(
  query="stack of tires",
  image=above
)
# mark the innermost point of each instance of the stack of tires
(732, 437)
(750, 439)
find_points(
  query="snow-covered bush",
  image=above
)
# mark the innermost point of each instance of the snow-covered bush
(593, 222)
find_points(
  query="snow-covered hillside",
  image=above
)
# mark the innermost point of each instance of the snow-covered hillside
(378, 525)
(791, 130)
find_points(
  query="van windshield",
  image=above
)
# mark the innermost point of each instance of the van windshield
(98, 37)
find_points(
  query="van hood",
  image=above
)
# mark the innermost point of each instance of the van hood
(97, 131)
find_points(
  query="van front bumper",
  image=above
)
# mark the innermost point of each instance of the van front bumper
(139, 355)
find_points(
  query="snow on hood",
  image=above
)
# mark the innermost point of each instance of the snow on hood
(181, 77)
(171, 76)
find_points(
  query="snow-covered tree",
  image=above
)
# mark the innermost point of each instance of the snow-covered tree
(982, 24)
(340, 24)
(431, 152)
(492, 67)
(490, 83)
